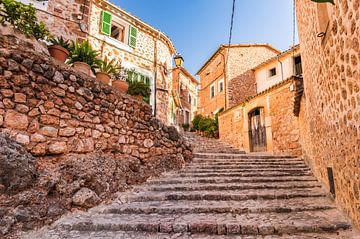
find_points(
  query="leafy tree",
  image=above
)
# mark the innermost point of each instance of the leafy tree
(23, 18)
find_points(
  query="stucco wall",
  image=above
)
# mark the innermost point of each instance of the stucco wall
(283, 71)
(282, 127)
(331, 128)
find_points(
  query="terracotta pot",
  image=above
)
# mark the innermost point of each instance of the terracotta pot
(123, 86)
(103, 77)
(82, 67)
(58, 52)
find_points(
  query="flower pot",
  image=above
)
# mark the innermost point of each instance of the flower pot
(123, 86)
(58, 53)
(82, 67)
(103, 77)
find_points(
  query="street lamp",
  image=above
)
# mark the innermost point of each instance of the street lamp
(179, 60)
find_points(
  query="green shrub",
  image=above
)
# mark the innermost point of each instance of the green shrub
(186, 127)
(140, 88)
(205, 123)
(195, 122)
(83, 52)
(23, 18)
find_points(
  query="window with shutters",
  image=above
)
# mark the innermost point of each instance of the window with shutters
(133, 34)
(118, 29)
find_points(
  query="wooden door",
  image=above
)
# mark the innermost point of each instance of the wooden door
(257, 130)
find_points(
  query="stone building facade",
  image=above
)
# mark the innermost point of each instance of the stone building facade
(185, 89)
(216, 76)
(330, 129)
(267, 117)
(118, 35)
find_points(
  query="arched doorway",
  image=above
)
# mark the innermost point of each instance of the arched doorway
(257, 130)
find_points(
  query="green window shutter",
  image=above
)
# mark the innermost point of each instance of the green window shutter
(106, 18)
(133, 33)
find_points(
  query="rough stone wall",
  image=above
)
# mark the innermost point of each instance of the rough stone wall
(63, 20)
(331, 128)
(282, 127)
(241, 87)
(53, 110)
(63, 17)
(241, 59)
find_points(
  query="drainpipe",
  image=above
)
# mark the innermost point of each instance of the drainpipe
(155, 73)
(282, 68)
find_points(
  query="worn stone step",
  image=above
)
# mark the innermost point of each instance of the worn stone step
(244, 166)
(218, 224)
(58, 234)
(181, 180)
(227, 186)
(249, 161)
(241, 156)
(244, 174)
(234, 195)
(235, 207)
(245, 170)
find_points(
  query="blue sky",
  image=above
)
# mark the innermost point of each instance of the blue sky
(198, 27)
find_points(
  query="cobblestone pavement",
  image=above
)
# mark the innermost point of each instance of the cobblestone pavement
(223, 195)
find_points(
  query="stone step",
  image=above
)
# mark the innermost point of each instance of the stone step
(245, 170)
(244, 163)
(182, 180)
(229, 195)
(244, 174)
(240, 156)
(227, 187)
(218, 224)
(58, 234)
(244, 160)
(235, 207)
(244, 166)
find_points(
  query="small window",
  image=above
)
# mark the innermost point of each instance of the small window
(297, 66)
(212, 91)
(194, 101)
(118, 32)
(221, 86)
(189, 98)
(272, 72)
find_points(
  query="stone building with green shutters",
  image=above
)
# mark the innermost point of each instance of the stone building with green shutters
(117, 34)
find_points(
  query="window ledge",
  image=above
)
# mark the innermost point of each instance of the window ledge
(118, 44)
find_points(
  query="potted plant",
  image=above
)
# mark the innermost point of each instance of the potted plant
(59, 49)
(120, 80)
(106, 69)
(139, 90)
(83, 57)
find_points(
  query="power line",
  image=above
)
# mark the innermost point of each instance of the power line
(228, 51)
(232, 21)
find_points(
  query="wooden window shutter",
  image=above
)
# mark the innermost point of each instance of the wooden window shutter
(106, 18)
(133, 33)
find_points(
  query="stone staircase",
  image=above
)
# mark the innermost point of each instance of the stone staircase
(219, 195)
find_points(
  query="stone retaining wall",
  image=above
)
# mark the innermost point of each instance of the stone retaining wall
(53, 110)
